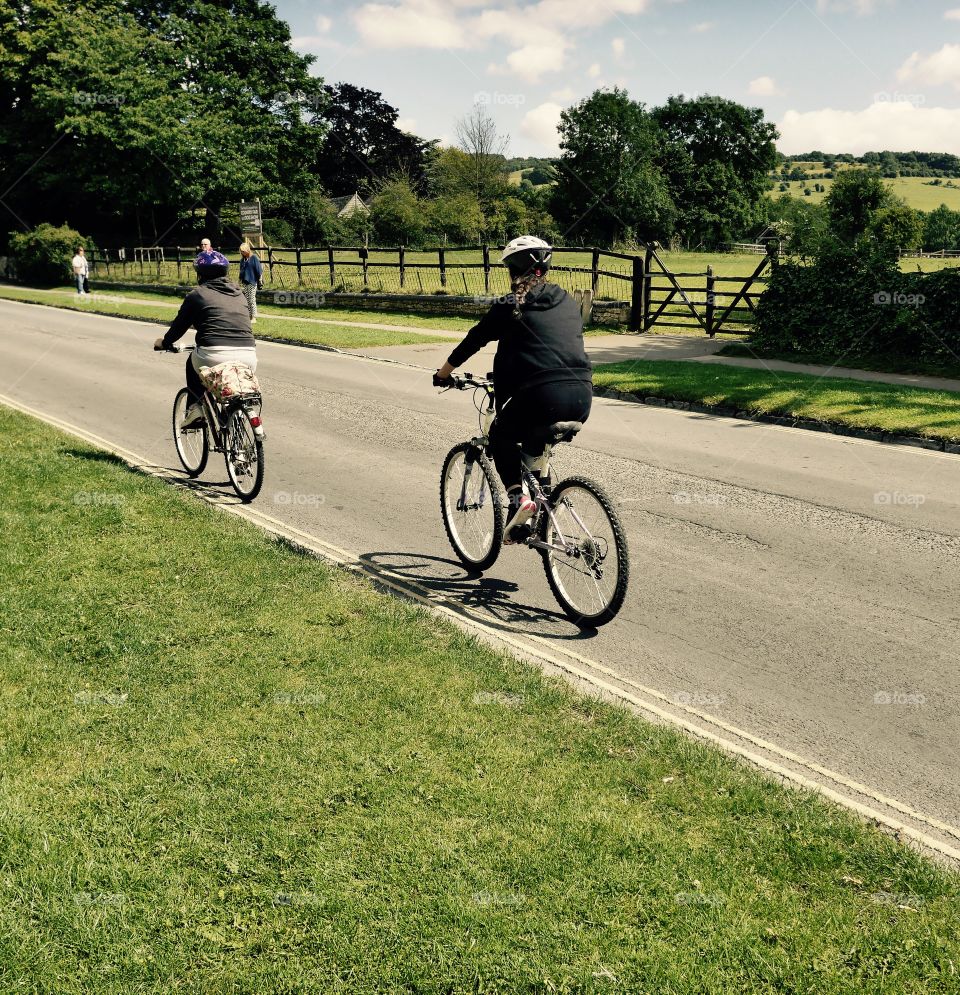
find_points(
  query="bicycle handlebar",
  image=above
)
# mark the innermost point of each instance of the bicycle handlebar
(176, 348)
(467, 382)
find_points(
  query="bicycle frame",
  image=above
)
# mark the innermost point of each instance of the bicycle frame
(535, 470)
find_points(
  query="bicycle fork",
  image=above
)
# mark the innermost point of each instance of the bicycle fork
(468, 464)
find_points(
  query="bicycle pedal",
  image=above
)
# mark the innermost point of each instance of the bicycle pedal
(519, 534)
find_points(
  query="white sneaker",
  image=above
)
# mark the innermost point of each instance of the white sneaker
(523, 514)
(193, 418)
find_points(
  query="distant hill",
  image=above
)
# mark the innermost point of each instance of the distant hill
(537, 172)
(891, 164)
(811, 179)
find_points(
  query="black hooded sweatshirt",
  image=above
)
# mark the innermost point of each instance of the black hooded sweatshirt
(543, 345)
(217, 309)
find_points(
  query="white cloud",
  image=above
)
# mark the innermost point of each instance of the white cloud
(703, 26)
(862, 7)
(572, 13)
(897, 125)
(952, 15)
(618, 47)
(565, 95)
(408, 124)
(933, 70)
(410, 24)
(540, 125)
(321, 39)
(546, 53)
(763, 86)
(594, 71)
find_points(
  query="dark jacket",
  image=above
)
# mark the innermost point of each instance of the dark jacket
(251, 269)
(217, 309)
(543, 345)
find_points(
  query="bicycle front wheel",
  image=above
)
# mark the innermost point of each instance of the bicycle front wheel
(472, 505)
(243, 453)
(192, 444)
(587, 563)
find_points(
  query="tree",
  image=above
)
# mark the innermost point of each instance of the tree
(897, 227)
(717, 157)
(150, 110)
(801, 225)
(505, 220)
(854, 198)
(451, 173)
(609, 186)
(455, 218)
(942, 229)
(363, 145)
(397, 213)
(485, 148)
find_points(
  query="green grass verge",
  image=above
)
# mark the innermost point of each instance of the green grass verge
(337, 336)
(854, 403)
(867, 361)
(226, 767)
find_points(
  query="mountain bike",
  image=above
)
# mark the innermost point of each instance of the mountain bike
(575, 528)
(233, 427)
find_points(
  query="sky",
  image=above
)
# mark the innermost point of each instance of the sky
(836, 75)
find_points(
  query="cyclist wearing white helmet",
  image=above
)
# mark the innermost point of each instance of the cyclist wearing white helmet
(541, 370)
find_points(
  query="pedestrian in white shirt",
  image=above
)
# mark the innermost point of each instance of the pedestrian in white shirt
(81, 270)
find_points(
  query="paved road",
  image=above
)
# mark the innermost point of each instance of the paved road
(794, 587)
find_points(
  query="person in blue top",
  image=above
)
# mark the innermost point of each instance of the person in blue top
(251, 273)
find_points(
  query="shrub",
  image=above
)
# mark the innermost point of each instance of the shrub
(853, 300)
(276, 231)
(44, 255)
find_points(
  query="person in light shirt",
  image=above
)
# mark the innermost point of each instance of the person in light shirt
(81, 270)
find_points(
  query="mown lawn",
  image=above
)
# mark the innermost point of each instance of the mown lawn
(339, 336)
(228, 768)
(855, 403)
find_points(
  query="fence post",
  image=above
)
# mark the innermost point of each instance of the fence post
(332, 265)
(365, 256)
(711, 298)
(270, 263)
(594, 267)
(299, 268)
(486, 270)
(443, 267)
(178, 264)
(638, 314)
(647, 288)
(403, 269)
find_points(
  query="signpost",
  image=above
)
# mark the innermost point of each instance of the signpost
(251, 221)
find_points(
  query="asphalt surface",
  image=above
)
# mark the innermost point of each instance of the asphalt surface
(787, 586)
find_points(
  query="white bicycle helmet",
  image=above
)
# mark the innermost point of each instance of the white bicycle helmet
(526, 252)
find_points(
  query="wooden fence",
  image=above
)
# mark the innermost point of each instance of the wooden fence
(654, 295)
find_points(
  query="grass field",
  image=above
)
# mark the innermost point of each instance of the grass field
(915, 190)
(228, 768)
(854, 403)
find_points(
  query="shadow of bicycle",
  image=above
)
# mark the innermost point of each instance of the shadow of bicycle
(492, 598)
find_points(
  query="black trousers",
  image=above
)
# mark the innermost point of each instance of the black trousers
(194, 383)
(531, 409)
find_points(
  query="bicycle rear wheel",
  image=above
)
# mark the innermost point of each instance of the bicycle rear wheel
(588, 565)
(243, 454)
(192, 444)
(472, 505)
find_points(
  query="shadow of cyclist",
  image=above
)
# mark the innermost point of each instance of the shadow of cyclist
(473, 590)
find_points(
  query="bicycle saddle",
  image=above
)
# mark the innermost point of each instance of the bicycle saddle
(561, 431)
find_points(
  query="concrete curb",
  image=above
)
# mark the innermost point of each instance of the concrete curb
(785, 421)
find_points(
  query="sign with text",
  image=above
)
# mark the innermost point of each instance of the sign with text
(250, 219)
